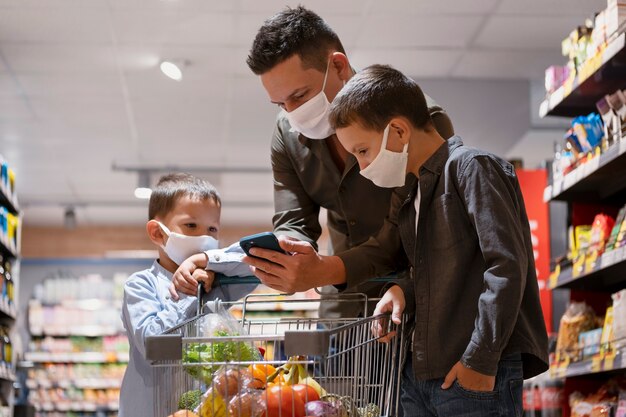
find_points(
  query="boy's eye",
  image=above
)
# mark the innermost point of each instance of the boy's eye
(191, 225)
(361, 152)
(213, 229)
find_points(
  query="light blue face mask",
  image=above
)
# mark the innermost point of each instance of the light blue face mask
(179, 247)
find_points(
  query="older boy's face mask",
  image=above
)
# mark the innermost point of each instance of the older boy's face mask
(388, 169)
(180, 247)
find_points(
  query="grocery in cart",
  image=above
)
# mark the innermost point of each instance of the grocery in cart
(217, 366)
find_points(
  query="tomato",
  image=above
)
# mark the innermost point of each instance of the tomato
(283, 402)
(306, 392)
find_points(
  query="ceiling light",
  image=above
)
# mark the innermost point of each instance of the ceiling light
(171, 70)
(143, 190)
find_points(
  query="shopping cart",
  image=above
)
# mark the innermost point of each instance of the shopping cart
(359, 375)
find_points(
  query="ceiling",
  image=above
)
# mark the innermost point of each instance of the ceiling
(80, 88)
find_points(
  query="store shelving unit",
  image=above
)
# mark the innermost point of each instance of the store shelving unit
(9, 271)
(601, 180)
(78, 349)
(599, 76)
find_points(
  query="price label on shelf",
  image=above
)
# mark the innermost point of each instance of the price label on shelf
(622, 146)
(608, 259)
(569, 179)
(596, 364)
(557, 188)
(547, 194)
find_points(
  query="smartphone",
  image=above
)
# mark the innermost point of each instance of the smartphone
(265, 240)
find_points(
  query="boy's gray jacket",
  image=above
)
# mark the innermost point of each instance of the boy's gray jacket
(474, 288)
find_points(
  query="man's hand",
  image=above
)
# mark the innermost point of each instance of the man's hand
(392, 301)
(469, 379)
(186, 278)
(301, 269)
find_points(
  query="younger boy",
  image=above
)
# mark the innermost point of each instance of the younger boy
(184, 219)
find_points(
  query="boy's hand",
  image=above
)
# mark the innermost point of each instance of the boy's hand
(469, 379)
(184, 281)
(392, 301)
(301, 269)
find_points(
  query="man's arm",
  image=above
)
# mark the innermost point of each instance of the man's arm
(296, 214)
(303, 268)
(493, 207)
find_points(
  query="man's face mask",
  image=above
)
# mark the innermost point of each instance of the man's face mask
(311, 118)
(180, 247)
(388, 169)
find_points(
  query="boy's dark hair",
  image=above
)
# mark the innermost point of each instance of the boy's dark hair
(171, 187)
(375, 95)
(293, 31)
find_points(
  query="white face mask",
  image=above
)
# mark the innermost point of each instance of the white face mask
(180, 247)
(388, 169)
(311, 118)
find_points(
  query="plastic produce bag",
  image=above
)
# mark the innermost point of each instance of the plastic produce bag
(212, 354)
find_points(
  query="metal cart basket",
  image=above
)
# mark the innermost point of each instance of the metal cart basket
(355, 371)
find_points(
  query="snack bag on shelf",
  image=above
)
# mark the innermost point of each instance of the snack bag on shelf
(600, 232)
(581, 242)
(578, 318)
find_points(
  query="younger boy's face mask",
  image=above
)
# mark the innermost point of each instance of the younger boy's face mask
(388, 169)
(180, 247)
(311, 118)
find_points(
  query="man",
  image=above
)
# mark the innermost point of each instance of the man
(302, 65)
(458, 219)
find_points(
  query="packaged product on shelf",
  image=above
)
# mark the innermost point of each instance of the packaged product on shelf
(610, 244)
(601, 403)
(579, 246)
(619, 319)
(615, 16)
(606, 340)
(555, 77)
(578, 318)
(600, 231)
(621, 404)
(589, 342)
(588, 131)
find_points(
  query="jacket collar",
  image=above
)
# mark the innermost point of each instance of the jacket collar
(437, 161)
(158, 271)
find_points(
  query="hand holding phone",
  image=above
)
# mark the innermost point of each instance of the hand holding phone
(265, 240)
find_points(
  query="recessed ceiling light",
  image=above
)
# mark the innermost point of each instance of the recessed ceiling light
(143, 190)
(171, 70)
(143, 193)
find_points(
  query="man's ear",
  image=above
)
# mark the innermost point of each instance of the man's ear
(339, 61)
(155, 233)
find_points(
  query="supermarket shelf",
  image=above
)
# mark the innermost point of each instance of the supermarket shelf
(599, 76)
(87, 331)
(7, 310)
(608, 276)
(7, 248)
(597, 180)
(9, 203)
(6, 375)
(591, 367)
(76, 407)
(85, 383)
(77, 357)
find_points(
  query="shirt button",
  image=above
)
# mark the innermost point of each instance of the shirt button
(167, 297)
(217, 258)
(421, 261)
(352, 222)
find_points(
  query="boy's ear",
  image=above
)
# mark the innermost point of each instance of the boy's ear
(401, 129)
(155, 233)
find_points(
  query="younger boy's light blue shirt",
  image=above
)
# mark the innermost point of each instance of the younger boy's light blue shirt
(147, 311)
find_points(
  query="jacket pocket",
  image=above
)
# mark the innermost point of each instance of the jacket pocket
(448, 222)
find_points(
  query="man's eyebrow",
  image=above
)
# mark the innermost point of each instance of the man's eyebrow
(296, 91)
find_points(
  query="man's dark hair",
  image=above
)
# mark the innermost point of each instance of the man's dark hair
(377, 94)
(171, 187)
(293, 31)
